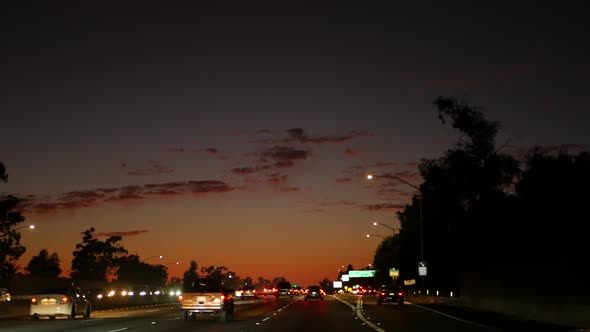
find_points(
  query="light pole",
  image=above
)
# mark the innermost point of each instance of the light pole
(157, 256)
(380, 224)
(371, 176)
(31, 227)
(421, 264)
(375, 235)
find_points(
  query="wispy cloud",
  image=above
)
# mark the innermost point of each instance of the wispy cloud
(273, 158)
(90, 198)
(384, 206)
(186, 151)
(298, 135)
(153, 167)
(122, 234)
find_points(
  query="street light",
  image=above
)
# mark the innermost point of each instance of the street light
(375, 235)
(380, 224)
(145, 260)
(31, 227)
(371, 176)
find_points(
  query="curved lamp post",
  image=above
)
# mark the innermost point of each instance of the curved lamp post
(384, 225)
(31, 227)
(375, 235)
(371, 176)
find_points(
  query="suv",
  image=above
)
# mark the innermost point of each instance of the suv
(206, 296)
(390, 293)
(283, 288)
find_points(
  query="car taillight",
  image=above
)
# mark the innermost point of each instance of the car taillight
(222, 297)
(400, 293)
(34, 300)
(254, 291)
(180, 298)
(382, 293)
(64, 300)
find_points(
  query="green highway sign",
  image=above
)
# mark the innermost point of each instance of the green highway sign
(361, 274)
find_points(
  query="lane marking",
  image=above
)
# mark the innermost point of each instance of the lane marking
(359, 314)
(153, 310)
(117, 330)
(267, 318)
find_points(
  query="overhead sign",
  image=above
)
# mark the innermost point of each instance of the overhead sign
(422, 268)
(337, 284)
(361, 273)
(345, 277)
(393, 272)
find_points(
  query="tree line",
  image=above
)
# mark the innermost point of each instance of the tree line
(484, 207)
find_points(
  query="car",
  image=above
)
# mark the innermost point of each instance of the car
(246, 292)
(205, 297)
(268, 291)
(314, 292)
(390, 294)
(283, 288)
(368, 290)
(4, 295)
(60, 302)
(296, 290)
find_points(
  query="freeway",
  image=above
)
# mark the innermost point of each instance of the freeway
(343, 313)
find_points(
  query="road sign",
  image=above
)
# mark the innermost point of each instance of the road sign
(422, 268)
(361, 274)
(393, 272)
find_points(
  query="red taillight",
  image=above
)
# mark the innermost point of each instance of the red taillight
(180, 298)
(400, 293)
(383, 293)
(34, 300)
(254, 291)
(64, 300)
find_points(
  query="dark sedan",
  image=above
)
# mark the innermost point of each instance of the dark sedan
(390, 294)
(314, 292)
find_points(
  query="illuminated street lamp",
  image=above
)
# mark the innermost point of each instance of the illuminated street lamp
(380, 224)
(31, 227)
(375, 235)
(371, 176)
(145, 260)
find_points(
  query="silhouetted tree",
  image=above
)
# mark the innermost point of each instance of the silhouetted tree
(134, 272)
(464, 195)
(190, 274)
(95, 259)
(175, 282)
(44, 265)
(387, 256)
(215, 272)
(276, 280)
(553, 195)
(10, 248)
(261, 282)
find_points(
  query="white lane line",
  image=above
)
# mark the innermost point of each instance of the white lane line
(117, 330)
(453, 317)
(153, 310)
(173, 318)
(267, 318)
(359, 314)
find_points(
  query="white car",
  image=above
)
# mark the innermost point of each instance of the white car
(60, 302)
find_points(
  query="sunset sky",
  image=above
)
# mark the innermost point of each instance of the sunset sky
(241, 135)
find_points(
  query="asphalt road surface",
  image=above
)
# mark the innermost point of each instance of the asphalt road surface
(343, 313)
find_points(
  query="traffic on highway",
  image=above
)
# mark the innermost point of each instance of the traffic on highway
(339, 312)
